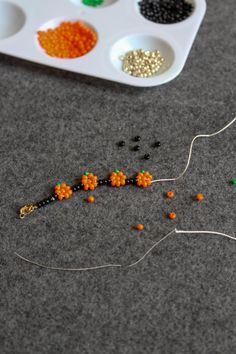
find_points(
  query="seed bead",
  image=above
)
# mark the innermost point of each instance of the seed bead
(139, 227)
(172, 215)
(170, 194)
(90, 199)
(199, 197)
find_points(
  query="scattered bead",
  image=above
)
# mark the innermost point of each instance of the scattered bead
(199, 197)
(63, 191)
(172, 215)
(170, 194)
(121, 143)
(139, 227)
(89, 181)
(68, 40)
(157, 144)
(136, 148)
(233, 181)
(165, 11)
(143, 179)
(90, 199)
(146, 156)
(117, 178)
(137, 138)
(142, 63)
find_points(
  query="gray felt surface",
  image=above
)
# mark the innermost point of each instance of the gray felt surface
(55, 125)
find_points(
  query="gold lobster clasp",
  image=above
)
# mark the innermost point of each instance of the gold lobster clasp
(27, 209)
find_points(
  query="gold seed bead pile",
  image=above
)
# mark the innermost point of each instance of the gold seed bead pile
(142, 63)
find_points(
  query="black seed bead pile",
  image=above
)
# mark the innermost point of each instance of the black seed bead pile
(165, 11)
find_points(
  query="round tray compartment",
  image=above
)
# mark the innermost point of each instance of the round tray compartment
(12, 19)
(141, 41)
(52, 24)
(191, 2)
(106, 3)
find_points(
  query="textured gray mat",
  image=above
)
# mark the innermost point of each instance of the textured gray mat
(54, 125)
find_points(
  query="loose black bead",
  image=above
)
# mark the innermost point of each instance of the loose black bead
(106, 181)
(132, 180)
(137, 138)
(100, 182)
(157, 144)
(147, 156)
(121, 143)
(136, 148)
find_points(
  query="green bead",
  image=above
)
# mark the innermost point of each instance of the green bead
(116, 171)
(58, 183)
(233, 181)
(86, 173)
(142, 171)
(92, 2)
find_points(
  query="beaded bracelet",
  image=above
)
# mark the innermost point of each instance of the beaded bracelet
(89, 181)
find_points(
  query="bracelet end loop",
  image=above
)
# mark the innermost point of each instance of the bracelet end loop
(27, 209)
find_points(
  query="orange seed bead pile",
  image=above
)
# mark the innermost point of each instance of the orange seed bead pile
(117, 178)
(143, 179)
(90, 181)
(68, 40)
(63, 191)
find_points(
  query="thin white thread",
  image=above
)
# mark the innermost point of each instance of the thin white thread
(205, 232)
(66, 269)
(190, 152)
(129, 265)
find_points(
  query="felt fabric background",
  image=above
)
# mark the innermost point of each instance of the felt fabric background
(55, 125)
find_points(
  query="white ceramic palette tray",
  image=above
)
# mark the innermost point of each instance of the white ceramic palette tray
(120, 28)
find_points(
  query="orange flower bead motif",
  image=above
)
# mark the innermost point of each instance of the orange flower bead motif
(117, 178)
(89, 180)
(143, 179)
(62, 191)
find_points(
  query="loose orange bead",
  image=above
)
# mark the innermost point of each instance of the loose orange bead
(139, 227)
(199, 197)
(170, 194)
(172, 215)
(90, 199)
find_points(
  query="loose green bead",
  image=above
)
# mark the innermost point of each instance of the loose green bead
(142, 171)
(233, 181)
(58, 183)
(116, 171)
(86, 173)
